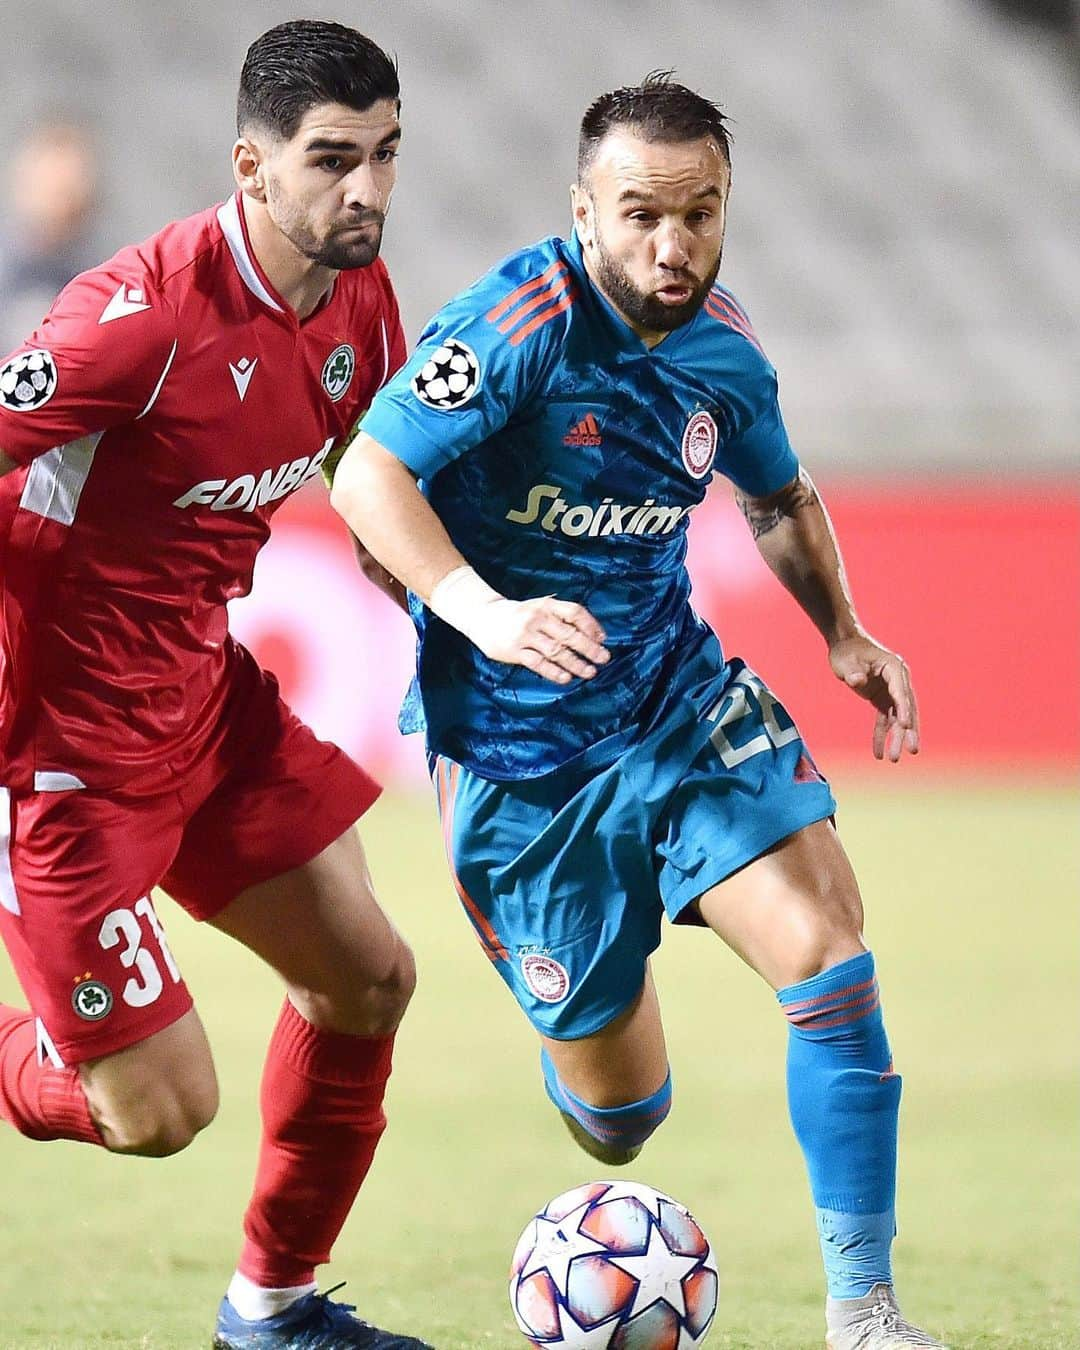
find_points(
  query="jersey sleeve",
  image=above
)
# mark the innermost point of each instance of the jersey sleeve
(96, 361)
(757, 457)
(760, 460)
(464, 381)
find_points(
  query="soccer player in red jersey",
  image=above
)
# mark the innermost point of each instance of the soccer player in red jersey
(167, 405)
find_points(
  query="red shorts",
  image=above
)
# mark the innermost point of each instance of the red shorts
(78, 867)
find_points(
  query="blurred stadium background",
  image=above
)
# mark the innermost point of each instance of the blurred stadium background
(903, 232)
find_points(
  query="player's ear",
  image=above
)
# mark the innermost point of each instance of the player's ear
(247, 162)
(582, 206)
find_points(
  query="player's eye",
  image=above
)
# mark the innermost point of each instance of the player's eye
(386, 155)
(331, 163)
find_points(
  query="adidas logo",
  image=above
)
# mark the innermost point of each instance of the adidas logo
(586, 432)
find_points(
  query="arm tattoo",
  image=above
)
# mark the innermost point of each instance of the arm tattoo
(764, 514)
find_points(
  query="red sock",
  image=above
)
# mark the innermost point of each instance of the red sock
(322, 1114)
(41, 1101)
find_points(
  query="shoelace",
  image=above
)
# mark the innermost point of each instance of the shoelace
(889, 1319)
(329, 1309)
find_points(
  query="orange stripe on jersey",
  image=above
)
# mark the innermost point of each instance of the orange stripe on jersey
(719, 307)
(733, 305)
(545, 297)
(527, 288)
(542, 318)
(447, 789)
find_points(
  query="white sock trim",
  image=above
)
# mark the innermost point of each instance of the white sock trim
(253, 1302)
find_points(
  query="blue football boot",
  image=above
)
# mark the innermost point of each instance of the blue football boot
(314, 1322)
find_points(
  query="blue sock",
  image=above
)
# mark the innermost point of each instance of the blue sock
(623, 1126)
(844, 1100)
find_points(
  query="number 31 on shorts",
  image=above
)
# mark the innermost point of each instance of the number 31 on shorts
(123, 926)
(746, 707)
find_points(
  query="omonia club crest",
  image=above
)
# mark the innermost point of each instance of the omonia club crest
(92, 1000)
(338, 372)
(699, 444)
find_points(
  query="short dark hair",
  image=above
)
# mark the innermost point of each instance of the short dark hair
(298, 65)
(658, 109)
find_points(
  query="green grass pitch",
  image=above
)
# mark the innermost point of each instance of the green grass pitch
(971, 900)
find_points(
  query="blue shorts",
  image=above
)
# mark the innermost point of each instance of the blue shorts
(565, 877)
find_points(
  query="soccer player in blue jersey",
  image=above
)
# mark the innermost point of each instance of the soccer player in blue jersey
(529, 476)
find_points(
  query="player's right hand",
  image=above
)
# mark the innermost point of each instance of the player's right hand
(557, 639)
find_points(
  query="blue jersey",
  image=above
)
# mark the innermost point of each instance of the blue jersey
(564, 457)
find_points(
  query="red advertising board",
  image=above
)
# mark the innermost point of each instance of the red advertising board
(977, 584)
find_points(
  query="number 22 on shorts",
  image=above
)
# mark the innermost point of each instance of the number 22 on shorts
(745, 696)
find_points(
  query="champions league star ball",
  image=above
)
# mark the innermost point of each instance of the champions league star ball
(449, 377)
(613, 1265)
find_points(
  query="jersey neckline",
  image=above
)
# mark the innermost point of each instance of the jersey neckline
(233, 224)
(622, 334)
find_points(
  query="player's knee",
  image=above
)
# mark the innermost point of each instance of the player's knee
(163, 1126)
(611, 1134)
(388, 997)
(364, 1001)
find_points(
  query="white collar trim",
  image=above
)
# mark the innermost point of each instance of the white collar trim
(231, 227)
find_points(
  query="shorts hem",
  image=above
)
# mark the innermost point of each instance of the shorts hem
(719, 870)
(593, 1026)
(119, 1038)
(215, 903)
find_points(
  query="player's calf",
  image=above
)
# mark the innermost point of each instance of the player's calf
(613, 1135)
(844, 1099)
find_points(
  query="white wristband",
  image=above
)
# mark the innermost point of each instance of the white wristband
(461, 597)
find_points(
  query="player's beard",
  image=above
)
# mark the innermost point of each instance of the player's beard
(341, 249)
(643, 310)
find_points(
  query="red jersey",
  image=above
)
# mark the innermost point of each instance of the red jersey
(168, 404)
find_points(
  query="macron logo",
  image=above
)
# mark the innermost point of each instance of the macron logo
(127, 300)
(242, 373)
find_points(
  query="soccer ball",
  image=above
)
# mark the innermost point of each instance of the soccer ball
(613, 1265)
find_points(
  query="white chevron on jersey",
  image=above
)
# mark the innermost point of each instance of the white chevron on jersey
(127, 300)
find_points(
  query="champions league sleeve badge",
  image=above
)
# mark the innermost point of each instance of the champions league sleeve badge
(449, 377)
(27, 381)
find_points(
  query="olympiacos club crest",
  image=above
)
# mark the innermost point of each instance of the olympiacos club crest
(547, 978)
(699, 444)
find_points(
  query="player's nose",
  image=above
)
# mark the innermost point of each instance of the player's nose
(671, 246)
(363, 190)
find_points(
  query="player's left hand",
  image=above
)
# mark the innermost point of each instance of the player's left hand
(883, 679)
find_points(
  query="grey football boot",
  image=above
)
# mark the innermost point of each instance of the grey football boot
(611, 1155)
(872, 1323)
